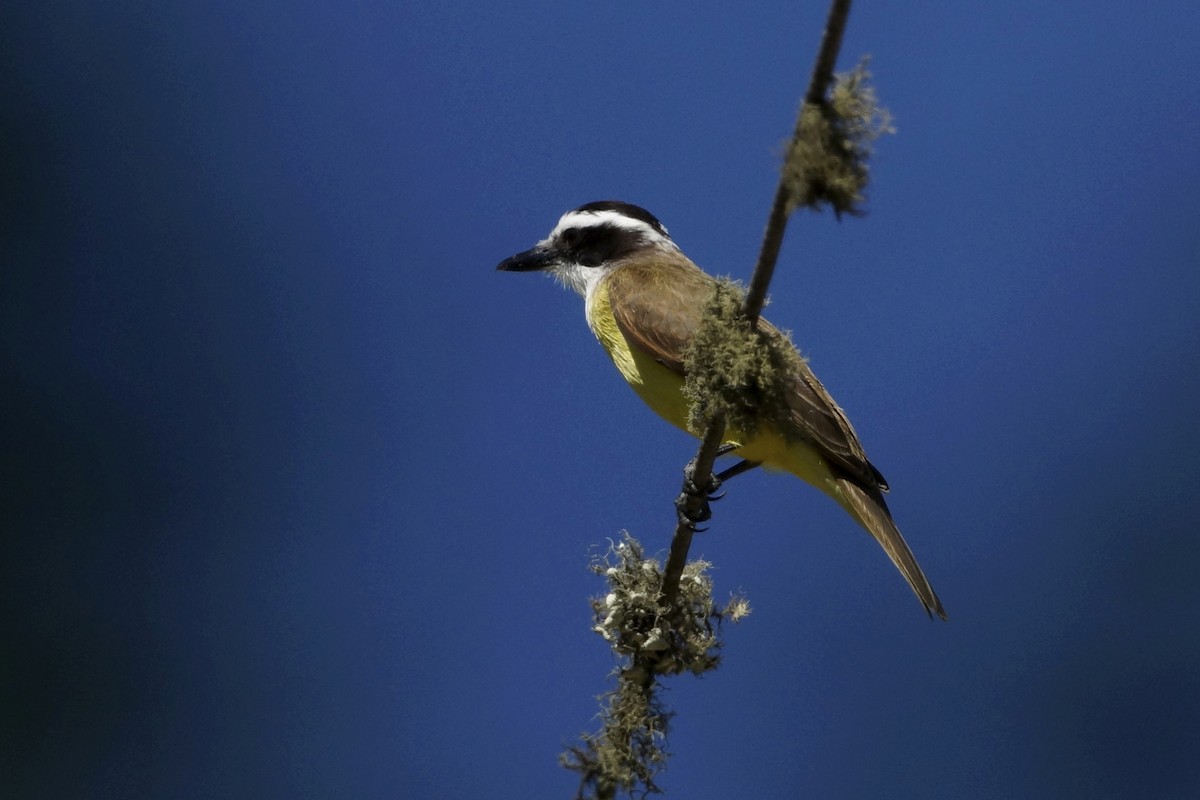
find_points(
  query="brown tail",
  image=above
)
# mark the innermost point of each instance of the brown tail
(872, 512)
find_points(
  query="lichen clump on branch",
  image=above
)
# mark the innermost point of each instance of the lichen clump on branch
(827, 158)
(651, 641)
(736, 371)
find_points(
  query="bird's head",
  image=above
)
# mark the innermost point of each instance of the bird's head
(590, 241)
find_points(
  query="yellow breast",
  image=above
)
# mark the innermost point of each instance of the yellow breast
(659, 387)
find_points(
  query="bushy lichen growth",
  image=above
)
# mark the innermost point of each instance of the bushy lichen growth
(633, 622)
(827, 159)
(735, 370)
(630, 748)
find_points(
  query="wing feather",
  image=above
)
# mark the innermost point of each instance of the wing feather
(658, 307)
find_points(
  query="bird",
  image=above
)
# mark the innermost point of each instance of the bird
(644, 301)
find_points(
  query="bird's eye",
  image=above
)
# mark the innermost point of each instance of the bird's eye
(571, 237)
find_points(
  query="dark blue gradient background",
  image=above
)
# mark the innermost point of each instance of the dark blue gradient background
(298, 495)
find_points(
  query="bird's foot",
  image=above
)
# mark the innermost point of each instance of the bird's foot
(692, 506)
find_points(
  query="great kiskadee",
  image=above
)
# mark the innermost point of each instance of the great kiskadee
(644, 301)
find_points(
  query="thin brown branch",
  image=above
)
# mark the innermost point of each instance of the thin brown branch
(692, 500)
(831, 45)
(818, 85)
(699, 473)
(693, 504)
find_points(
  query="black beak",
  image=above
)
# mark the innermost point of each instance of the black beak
(532, 260)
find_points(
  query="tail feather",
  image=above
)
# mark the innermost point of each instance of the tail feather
(873, 514)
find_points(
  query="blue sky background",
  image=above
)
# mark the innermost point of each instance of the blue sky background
(298, 494)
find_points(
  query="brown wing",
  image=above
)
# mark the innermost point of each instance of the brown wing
(820, 419)
(658, 309)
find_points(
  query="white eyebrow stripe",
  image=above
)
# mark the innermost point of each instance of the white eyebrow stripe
(591, 219)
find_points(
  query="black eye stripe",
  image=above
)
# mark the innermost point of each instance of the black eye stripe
(601, 236)
(592, 245)
(597, 236)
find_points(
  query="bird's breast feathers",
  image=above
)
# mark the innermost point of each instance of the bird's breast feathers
(658, 386)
